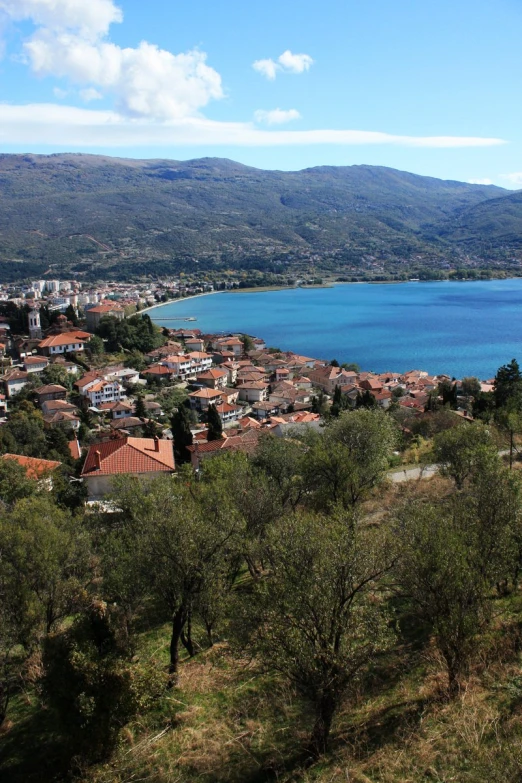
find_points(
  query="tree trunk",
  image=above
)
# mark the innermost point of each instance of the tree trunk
(325, 710)
(178, 621)
(186, 639)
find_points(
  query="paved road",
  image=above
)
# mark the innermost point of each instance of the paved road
(425, 471)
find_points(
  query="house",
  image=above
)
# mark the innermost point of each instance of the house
(51, 391)
(38, 469)
(159, 372)
(128, 423)
(228, 413)
(180, 366)
(104, 391)
(55, 406)
(117, 410)
(95, 314)
(200, 361)
(34, 364)
(232, 344)
(201, 399)
(63, 419)
(213, 378)
(195, 343)
(264, 410)
(245, 442)
(125, 375)
(64, 342)
(14, 381)
(139, 457)
(253, 391)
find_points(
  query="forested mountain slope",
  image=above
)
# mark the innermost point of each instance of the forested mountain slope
(94, 215)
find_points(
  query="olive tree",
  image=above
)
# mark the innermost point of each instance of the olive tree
(317, 617)
(350, 458)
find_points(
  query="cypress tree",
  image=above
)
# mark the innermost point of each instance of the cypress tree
(215, 427)
(180, 425)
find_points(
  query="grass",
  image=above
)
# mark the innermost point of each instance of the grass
(227, 721)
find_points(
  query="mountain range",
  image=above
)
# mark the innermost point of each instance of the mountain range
(99, 217)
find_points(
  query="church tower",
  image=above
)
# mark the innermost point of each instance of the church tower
(35, 328)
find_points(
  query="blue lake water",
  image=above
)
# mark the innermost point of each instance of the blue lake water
(467, 328)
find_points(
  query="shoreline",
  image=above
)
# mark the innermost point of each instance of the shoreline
(180, 299)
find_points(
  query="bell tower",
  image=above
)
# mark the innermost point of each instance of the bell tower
(35, 328)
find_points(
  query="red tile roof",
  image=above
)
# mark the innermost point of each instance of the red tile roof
(35, 468)
(129, 455)
(65, 338)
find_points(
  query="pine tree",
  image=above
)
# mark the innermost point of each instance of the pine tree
(215, 427)
(180, 425)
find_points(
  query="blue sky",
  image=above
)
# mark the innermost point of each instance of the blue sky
(432, 88)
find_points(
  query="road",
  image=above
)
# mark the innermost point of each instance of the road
(423, 471)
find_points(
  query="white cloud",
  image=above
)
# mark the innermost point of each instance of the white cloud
(90, 94)
(515, 178)
(276, 116)
(90, 18)
(291, 63)
(67, 126)
(484, 181)
(71, 42)
(60, 94)
(295, 63)
(267, 68)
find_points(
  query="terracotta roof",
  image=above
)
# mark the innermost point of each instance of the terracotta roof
(206, 394)
(87, 378)
(212, 374)
(60, 416)
(64, 338)
(50, 388)
(36, 360)
(59, 405)
(74, 448)
(129, 455)
(35, 468)
(127, 423)
(105, 308)
(158, 369)
(15, 375)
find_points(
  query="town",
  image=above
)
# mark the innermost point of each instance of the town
(118, 395)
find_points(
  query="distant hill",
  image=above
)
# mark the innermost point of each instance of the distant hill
(91, 216)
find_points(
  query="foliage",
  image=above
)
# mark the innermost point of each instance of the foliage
(91, 683)
(137, 333)
(180, 426)
(458, 449)
(215, 426)
(343, 465)
(439, 575)
(316, 617)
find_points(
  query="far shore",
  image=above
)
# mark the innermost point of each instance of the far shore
(174, 301)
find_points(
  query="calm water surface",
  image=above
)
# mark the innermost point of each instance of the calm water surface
(457, 328)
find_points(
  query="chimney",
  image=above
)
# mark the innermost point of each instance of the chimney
(97, 459)
(156, 443)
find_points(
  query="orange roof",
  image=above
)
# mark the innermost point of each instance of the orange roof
(104, 308)
(35, 468)
(206, 394)
(74, 448)
(65, 338)
(129, 455)
(212, 374)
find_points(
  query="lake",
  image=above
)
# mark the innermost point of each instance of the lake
(459, 328)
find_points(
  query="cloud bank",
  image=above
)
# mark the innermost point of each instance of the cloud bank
(71, 127)
(276, 116)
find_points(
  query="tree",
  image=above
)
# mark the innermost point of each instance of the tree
(439, 574)
(70, 314)
(214, 423)
(471, 387)
(448, 392)
(508, 385)
(139, 407)
(96, 346)
(458, 449)
(180, 536)
(365, 400)
(248, 343)
(281, 460)
(352, 456)
(45, 552)
(180, 426)
(317, 618)
(92, 684)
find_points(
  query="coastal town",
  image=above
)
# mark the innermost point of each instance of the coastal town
(112, 398)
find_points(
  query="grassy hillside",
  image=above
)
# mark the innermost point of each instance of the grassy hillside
(96, 215)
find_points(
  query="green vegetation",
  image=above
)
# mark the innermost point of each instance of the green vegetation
(97, 218)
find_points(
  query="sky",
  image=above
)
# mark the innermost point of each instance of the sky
(431, 88)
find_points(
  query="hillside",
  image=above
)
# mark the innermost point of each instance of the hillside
(98, 216)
